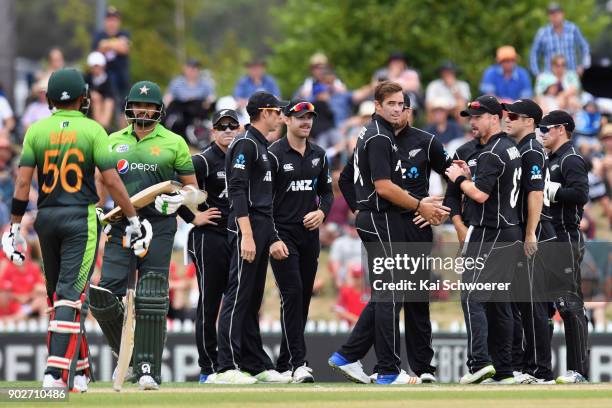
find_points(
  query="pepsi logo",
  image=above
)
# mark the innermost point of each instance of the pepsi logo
(123, 166)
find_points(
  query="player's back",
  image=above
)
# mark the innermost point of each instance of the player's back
(65, 148)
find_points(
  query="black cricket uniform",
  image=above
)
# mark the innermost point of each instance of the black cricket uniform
(249, 185)
(210, 251)
(531, 352)
(568, 168)
(302, 184)
(454, 198)
(379, 224)
(494, 236)
(420, 153)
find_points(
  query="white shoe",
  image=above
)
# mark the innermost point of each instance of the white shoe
(129, 374)
(287, 373)
(571, 377)
(303, 374)
(352, 371)
(50, 382)
(272, 377)
(524, 378)
(80, 383)
(374, 377)
(146, 382)
(479, 376)
(505, 381)
(235, 377)
(211, 378)
(428, 378)
(403, 379)
(543, 381)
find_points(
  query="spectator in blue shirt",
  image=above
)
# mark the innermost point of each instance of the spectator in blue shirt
(191, 86)
(255, 80)
(559, 37)
(506, 80)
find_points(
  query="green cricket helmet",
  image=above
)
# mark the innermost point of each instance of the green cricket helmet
(66, 85)
(144, 92)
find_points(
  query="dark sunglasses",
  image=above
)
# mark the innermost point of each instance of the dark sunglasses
(302, 106)
(546, 129)
(230, 126)
(277, 110)
(514, 116)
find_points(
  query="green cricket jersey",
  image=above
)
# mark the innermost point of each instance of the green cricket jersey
(157, 157)
(66, 148)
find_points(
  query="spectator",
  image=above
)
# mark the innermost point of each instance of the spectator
(323, 132)
(25, 286)
(559, 37)
(448, 88)
(345, 252)
(38, 108)
(567, 84)
(101, 91)
(181, 285)
(114, 43)
(397, 70)
(338, 216)
(7, 119)
(255, 80)
(588, 123)
(55, 61)
(440, 126)
(350, 130)
(319, 66)
(506, 80)
(351, 296)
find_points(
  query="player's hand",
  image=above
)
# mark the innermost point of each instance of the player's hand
(11, 240)
(454, 171)
(247, 248)
(531, 245)
(314, 219)
(462, 231)
(138, 235)
(207, 217)
(432, 210)
(279, 250)
(168, 204)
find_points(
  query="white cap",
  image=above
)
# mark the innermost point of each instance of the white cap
(226, 102)
(96, 58)
(441, 103)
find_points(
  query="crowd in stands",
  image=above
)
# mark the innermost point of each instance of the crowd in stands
(559, 55)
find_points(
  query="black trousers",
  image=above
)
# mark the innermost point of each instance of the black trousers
(378, 323)
(210, 252)
(240, 345)
(417, 321)
(488, 316)
(295, 278)
(531, 349)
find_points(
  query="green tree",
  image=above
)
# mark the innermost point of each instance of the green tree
(358, 35)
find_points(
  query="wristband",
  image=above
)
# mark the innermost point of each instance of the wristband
(418, 205)
(460, 180)
(18, 207)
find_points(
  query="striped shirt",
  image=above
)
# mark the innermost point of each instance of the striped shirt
(570, 43)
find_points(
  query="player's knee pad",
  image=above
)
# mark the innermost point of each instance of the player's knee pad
(66, 340)
(151, 308)
(108, 311)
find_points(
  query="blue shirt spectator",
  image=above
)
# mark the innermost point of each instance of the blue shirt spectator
(190, 86)
(506, 80)
(559, 37)
(255, 80)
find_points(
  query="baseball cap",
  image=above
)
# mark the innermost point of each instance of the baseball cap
(96, 58)
(318, 59)
(448, 66)
(192, 62)
(483, 104)
(559, 117)
(255, 62)
(261, 99)
(299, 108)
(112, 11)
(554, 7)
(525, 107)
(225, 113)
(505, 53)
(440, 103)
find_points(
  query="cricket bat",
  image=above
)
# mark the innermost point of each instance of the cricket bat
(144, 198)
(129, 325)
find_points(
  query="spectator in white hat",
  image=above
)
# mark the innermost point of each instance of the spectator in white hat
(101, 91)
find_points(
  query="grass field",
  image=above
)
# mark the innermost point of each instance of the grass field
(338, 395)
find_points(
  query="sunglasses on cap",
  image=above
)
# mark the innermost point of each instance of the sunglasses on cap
(277, 110)
(224, 127)
(546, 128)
(514, 116)
(477, 105)
(302, 106)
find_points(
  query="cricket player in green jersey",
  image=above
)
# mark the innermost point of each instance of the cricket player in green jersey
(145, 153)
(65, 149)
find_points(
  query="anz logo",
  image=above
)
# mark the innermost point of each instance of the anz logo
(301, 185)
(412, 173)
(536, 173)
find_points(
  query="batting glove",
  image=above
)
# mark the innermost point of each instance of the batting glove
(138, 235)
(168, 204)
(552, 191)
(11, 239)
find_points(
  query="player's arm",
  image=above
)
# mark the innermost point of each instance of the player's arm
(489, 166)
(575, 190)
(532, 183)
(347, 184)
(439, 159)
(209, 216)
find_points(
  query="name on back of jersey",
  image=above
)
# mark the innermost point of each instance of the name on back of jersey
(63, 137)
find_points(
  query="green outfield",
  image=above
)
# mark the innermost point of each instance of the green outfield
(337, 395)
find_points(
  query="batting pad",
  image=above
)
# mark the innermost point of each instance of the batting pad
(108, 311)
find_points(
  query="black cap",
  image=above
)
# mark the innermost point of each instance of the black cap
(559, 117)
(397, 55)
(112, 11)
(289, 109)
(525, 107)
(261, 100)
(406, 100)
(224, 113)
(448, 66)
(554, 7)
(483, 104)
(192, 62)
(256, 62)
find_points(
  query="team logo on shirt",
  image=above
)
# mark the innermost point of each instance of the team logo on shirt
(472, 163)
(413, 153)
(123, 166)
(221, 174)
(64, 124)
(536, 173)
(301, 185)
(315, 161)
(268, 176)
(240, 162)
(122, 148)
(288, 167)
(413, 173)
(554, 167)
(264, 157)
